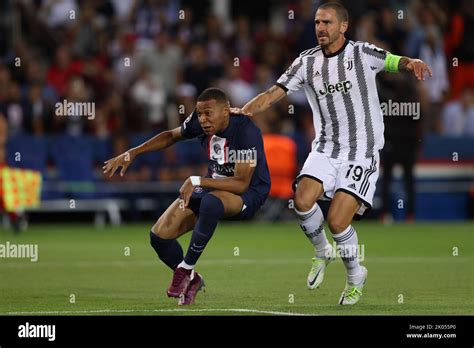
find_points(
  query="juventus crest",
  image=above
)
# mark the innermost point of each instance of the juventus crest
(349, 63)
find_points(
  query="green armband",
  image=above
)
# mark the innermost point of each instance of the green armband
(391, 62)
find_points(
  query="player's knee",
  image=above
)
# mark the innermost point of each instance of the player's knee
(303, 202)
(161, 231)
(211, 205)
(336, 223)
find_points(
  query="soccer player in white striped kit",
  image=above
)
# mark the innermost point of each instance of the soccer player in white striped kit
(338, 78)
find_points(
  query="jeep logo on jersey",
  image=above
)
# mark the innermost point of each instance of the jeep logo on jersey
(343, 87)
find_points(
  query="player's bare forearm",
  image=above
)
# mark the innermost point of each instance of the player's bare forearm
(264, 100)
(237, 184)
(158, 142)
(416, 66)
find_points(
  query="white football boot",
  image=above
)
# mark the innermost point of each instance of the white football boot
(353, 292)
(319, 264)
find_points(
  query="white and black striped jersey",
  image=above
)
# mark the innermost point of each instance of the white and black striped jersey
(342, 93)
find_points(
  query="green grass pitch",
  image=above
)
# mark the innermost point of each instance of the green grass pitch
(412, 264)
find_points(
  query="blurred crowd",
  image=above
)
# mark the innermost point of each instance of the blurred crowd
(144, 62)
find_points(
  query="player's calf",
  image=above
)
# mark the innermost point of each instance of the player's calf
(168, 250)
(312, 224)
(210, 211)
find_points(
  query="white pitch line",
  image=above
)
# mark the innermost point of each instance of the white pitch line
(232, 310)
(233, 262)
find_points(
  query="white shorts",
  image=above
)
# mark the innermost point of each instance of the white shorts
(357, 178)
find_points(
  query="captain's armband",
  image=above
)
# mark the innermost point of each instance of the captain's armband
(391, 62)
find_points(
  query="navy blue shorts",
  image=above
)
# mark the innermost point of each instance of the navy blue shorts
(252, 203)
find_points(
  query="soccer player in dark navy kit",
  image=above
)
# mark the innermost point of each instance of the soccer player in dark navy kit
(236, 186)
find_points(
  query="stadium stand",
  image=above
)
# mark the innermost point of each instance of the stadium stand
(108, 56)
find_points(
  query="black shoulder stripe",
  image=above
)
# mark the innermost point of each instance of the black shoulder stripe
(375, 52)
(310, 51)
(304, 52)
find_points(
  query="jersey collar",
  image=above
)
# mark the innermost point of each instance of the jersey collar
(337, 52)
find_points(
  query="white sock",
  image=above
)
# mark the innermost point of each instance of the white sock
(185, 265)
(347, 243)
(312, 224)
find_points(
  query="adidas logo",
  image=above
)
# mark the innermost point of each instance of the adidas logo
(373, 68)
(352, 186)
(317, 74)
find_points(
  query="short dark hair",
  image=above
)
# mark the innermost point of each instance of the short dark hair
(341, 11)
(214, 93)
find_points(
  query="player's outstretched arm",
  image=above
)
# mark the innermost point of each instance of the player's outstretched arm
(236, 184)
(416, 66)
(261, 102)
(158, 142)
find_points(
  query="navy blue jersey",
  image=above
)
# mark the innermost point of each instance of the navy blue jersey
(241, 141)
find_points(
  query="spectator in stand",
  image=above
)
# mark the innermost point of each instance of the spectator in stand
(110, 118)
(125, 61)
(75, 125)
(264, 78)
(37, 110)
(214, 39)
(402, 140)
(5, 80)
(185, 30)
(389, 29)
(432, 53)
(57, 13)
(35, 74)
(458, 115)
(238, 90)
(460, 48)
(85, 32)
(139, 171)
(183, 106)
(164, 60)
(15, 110)
(62, 70)
(149, 92)
(198, 71)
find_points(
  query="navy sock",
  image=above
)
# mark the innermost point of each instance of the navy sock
(169, 251)
(210, 211)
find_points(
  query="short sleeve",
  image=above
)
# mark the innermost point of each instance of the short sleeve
(250, 144)
(191, 128)
(375, 56)
(293, 78)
